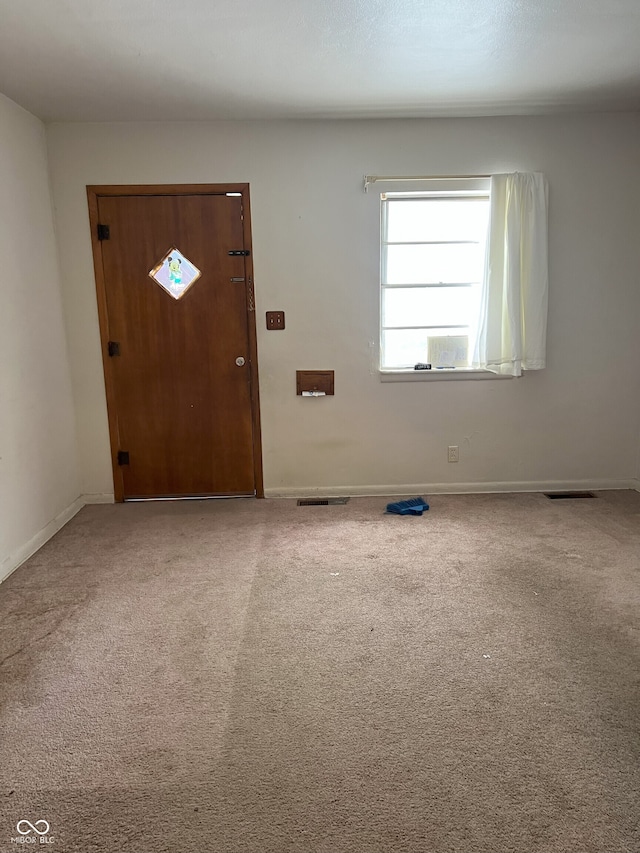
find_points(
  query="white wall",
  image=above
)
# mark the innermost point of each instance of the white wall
(39, 480)
(316, 257)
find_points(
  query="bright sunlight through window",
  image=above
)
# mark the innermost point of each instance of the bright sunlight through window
(432, 261)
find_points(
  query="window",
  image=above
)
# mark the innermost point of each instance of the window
(432, 261)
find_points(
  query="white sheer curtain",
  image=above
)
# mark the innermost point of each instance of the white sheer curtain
(512, 330)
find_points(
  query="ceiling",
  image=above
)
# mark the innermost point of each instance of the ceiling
(121, 60)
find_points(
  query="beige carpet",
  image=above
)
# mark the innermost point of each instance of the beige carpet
(235, 676)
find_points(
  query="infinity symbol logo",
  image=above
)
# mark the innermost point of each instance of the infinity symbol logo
(33, 827)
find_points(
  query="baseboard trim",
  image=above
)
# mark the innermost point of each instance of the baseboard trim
(21, 554)
(98, 498)
(451, 488)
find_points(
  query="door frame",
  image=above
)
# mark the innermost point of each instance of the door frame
(96, 192)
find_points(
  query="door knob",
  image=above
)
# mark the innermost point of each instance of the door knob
(240, 361)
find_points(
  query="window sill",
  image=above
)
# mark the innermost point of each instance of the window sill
(438, 375)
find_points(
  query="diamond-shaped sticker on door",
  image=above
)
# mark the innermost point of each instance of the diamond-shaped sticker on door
(175, 273)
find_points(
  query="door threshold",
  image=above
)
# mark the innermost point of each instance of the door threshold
(190, 498)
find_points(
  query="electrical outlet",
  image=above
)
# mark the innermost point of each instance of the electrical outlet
(454, 453)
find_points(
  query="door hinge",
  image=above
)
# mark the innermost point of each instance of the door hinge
(113, 348)
(123, 457)
(103, 232)
(239, 252)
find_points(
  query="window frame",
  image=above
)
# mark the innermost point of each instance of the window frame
(445, 190)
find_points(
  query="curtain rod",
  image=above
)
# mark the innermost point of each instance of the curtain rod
(372, 179)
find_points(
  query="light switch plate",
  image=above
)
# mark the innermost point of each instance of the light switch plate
(275, 320)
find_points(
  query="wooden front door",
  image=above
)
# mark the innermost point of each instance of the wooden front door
(175, 294)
